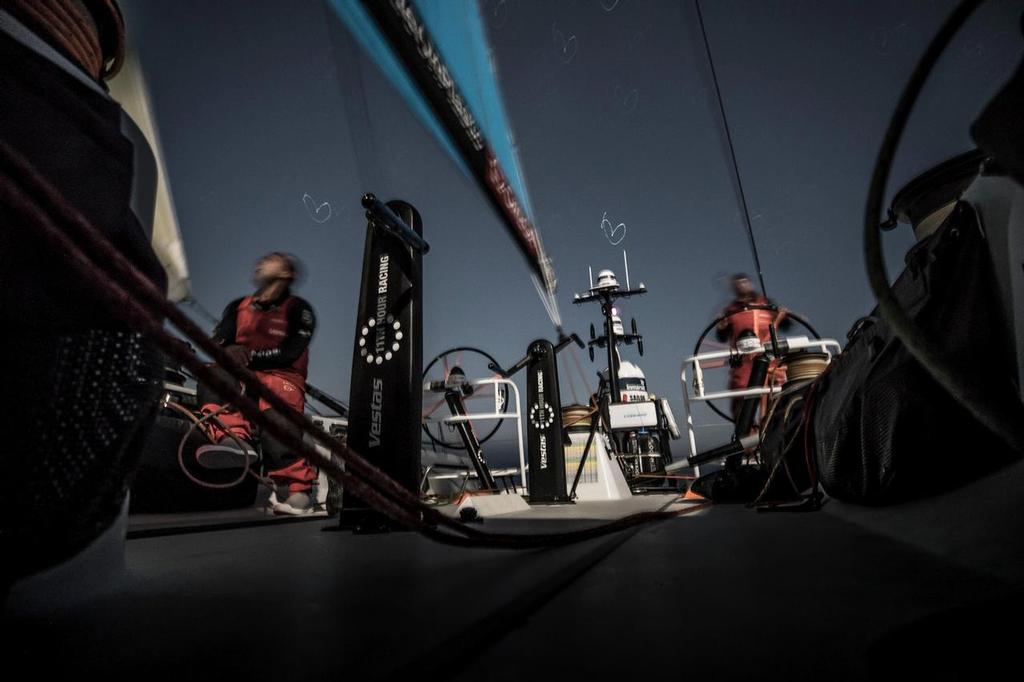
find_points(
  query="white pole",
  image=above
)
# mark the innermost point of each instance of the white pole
(625, 262)
(590, 271)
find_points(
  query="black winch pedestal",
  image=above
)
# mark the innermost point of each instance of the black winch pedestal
(544, 435)
(386, 400)
(455, 398)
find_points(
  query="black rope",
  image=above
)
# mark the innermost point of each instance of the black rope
(594, 421)
(732, 152)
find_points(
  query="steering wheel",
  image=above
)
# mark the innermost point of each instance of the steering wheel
(753, 306)
(456, 364)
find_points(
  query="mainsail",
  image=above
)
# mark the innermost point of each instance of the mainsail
(129, 89)
(437, 56)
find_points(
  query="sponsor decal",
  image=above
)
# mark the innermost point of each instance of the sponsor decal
(541, 417)
(541, 414)
(376, 412)
(439, 72)
(381, 337)
(510, 204)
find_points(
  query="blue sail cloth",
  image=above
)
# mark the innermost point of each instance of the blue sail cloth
(457, 31)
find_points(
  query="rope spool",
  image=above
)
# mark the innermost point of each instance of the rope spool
(88, 32)
(577, 417)
(805, 366)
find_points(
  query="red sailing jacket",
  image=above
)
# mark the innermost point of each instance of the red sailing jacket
(756, 321)
(278, 336)
(265, 330)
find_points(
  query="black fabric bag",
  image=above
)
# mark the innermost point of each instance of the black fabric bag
(884, 430)
(80, 388)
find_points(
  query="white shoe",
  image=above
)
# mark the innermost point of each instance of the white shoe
(226, 455)
(296, 504)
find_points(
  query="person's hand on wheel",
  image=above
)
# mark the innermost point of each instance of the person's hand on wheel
(239, 354)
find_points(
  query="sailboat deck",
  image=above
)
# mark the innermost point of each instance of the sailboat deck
(725, 592)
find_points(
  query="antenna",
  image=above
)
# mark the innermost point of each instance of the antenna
(590, 271)
(625, 262)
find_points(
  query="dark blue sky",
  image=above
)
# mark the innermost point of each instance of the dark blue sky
(260, 103)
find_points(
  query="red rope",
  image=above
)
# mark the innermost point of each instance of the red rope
(364, 480)
(63, 26)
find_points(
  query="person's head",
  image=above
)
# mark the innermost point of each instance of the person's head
(742, 286)
(275, 267)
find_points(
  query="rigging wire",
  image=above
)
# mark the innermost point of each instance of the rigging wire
(572, 387)
(547, 298)
(732, 153)
(579, 368)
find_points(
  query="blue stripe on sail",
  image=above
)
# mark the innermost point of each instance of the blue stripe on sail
(457, 30)
(362, 27)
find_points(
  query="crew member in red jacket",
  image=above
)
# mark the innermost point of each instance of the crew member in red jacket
(742, 318)
(269, 332)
